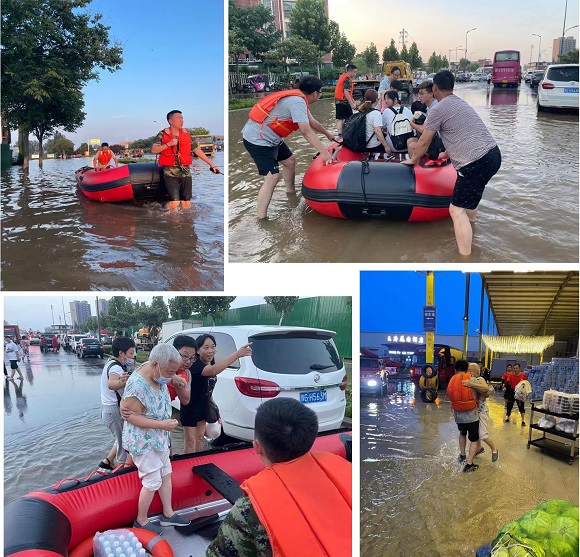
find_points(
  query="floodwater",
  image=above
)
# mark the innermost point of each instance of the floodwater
(54, 238)
(529, 211)
(52, 422)
(415, 499)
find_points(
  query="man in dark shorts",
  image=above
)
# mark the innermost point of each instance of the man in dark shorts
(266, 146)
(343, 95)
(473, 152)
(174, 147)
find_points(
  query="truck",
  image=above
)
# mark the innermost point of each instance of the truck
(146, 338)
(499, 365)
(169, 328)
(12, 331)
(205, 143)
(406, 73)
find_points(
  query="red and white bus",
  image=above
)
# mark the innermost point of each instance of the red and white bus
(506, 71)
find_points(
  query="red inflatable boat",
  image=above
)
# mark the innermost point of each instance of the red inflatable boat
(352, 187)
(139, 180)
(61, 520)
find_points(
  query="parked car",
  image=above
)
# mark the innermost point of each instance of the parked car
(296, 362)
(35, 340)
(528, 76)
(462, 77)
(107, 340)
(361, 86)
(74, 340)
(430, 76)
(373, 377)
(537, 76)
(260, 82)
(89, 347)
(478, 76)
(559, 87)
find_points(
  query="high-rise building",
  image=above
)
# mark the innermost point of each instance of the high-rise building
(102, 306)
(79, 312)
(568, 45)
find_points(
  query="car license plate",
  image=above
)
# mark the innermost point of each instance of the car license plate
(504, 80)
(313, 396)
(571, 90)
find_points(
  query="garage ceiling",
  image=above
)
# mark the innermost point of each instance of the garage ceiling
(536, 303)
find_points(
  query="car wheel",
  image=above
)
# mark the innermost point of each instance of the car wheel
(540, 107)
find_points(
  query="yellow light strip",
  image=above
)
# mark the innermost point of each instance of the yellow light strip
(518, 344)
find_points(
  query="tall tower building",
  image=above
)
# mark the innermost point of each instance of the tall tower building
(103, 307)
(568, 45)
(80, 312)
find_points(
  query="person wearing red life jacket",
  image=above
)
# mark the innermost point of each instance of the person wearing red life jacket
(272, 119)
(466, 414)
(286, 506)
(103, 157)
(344, 95)
(175, 147)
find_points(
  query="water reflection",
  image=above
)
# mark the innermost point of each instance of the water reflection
(538, 182)
(53, 237)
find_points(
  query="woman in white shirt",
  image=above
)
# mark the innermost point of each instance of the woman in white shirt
(374, 122)
(393, 107)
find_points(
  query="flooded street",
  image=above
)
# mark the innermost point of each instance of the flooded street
(54, 238)
(415, 499)
(52, 422)
(529, 211)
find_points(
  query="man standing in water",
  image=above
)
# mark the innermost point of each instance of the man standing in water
(272, 119)
(12, 351)
(343, 95)
(473, 152)
(174, 145)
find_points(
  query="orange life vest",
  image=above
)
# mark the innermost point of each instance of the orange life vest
(305, 505)
(461, 397)
(103, 157)
(262, 110)
(339, 91)
(171, 156)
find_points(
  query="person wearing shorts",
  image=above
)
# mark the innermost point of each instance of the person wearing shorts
(269, 150)
(175, 147)
(12, 351)
(344, 96)
(473, 151)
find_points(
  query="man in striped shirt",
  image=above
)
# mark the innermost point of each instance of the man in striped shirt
(473, 152)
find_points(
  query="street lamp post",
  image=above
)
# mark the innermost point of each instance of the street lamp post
(562, 40)
(563, 31)
(456, 60)
(540, 46)
(531, 50)
(466, 40)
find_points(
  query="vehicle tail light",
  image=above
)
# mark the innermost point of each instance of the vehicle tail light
(257, 388)
(343, 383)
(547, 85)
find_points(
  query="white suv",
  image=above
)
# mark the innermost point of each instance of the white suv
(296, 362)
(559, 87)
(74, 342)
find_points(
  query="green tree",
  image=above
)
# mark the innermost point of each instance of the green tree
(181, 307)
(212, 306)
(390, 54)
(282, 304)
(60, 145)
(405, 54)
(335, 35)
(90, 324)
(343, 53)
(143, 143)
(308, 19)
(155, 314)
(436, 63)
(253, 28)
(569, 58)
(371, 57)
(199, 131)
(300, 49)
(50, 50)
(414, 57)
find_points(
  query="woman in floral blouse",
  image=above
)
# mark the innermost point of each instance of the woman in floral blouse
(147, 408)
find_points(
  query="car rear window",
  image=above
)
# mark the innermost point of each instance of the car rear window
(564, 73)
(295, 353)
(90, 341)
(225, 345)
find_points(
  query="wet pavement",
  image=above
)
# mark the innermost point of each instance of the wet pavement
(54, 238)
(529, 211)
(415, 498)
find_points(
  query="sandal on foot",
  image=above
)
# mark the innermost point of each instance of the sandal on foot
(106, 465)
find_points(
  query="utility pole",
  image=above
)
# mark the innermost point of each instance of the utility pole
(403, 35)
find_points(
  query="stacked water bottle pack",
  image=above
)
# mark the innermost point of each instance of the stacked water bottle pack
(561, 374)
(117, 543)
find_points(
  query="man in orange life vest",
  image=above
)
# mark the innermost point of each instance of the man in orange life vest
(174, 146)
(343, 95)
(103, 157)
(287, 506)
(466, 413)
(272, 119)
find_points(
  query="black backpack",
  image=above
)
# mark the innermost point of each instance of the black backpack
(354, 132)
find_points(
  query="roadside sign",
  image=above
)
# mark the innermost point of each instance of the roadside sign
(429, 318)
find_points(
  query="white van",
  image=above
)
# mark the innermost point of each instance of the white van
(297, 362)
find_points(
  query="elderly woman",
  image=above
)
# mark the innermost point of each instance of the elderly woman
(146, 406)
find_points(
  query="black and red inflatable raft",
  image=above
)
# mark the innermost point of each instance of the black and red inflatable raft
(354, 188)
(61, 520)
(140, 180)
